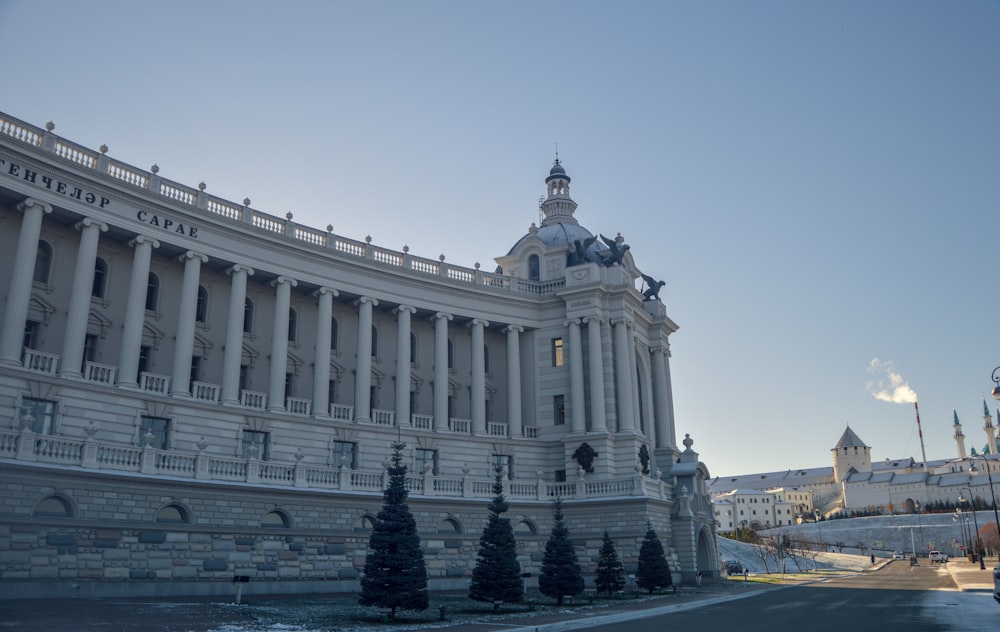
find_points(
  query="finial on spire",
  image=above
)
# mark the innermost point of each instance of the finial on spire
(557, 152)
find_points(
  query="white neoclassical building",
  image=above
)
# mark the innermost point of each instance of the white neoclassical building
(192, 389)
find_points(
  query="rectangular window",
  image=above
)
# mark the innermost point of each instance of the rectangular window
(90, 348)
(345, 453)
(157, 429)
(331, 391)
(557, 352)
(244, 377)
(425, 460)
(502, 460)
(289, 383)
(40, 412)
(256, 444)
(559, 410)
(31, 331)
(560, 476)
(195, 368)
(144, 355)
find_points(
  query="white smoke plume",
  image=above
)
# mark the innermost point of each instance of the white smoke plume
(887, 385)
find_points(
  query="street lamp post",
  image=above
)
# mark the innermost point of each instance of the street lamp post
(820, 527)
(989, 477)
(979, 546)
(963, 522)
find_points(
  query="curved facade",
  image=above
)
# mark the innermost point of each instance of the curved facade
(192, 389)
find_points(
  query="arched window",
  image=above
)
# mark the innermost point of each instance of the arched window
(43, 262)
(293, 325)
(334, 331)
(53, 507)
(152, 292)
(100, 278)
(173, 514)
(413, 348)
(449, 525)
(201, 309)
(533, 268)
(275, 520)
(364, 523)
(248, 316)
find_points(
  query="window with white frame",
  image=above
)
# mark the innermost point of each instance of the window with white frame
(42, 414)
(504, 461)
(256, 444)
(425, 460)
(344, 453)
(157, 429)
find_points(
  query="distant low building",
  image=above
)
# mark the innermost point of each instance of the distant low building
(855, 484)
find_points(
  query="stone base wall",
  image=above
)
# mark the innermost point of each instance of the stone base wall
(111, 543)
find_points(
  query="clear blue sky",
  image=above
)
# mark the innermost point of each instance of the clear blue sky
(817, 182)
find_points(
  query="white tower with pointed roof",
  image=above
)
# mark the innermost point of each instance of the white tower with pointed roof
(959, 436)
(991, 435)
(850, 455)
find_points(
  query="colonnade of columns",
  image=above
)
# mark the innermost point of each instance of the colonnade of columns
(613, 391)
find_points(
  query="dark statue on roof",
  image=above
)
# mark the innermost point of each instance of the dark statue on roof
(652, 292)
(615, 251)
(579, 252)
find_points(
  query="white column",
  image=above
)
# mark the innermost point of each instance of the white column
(478, 377)
(12, 337)
(648, 403)
(664, 407)
(279, 342)
(598, 422)
(135, 311)
(514, 380)
(623, 376)
(403, 314)
(79, 300)
(233, 352)
(321, 366)
(610, 383)
(578, 417)
(180, 381)
(634, 373)
(363, 366)
(441, 370)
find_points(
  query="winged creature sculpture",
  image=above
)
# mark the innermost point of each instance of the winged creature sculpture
(615, 253)
(652, 292)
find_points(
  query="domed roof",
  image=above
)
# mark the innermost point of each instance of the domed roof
(561, 234)
(557, 171)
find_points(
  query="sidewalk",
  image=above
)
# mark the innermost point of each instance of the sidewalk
(968, 575)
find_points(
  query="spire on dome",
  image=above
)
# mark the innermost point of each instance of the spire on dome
(954, 414)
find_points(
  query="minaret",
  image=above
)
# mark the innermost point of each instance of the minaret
(959, 437)
(991, 436)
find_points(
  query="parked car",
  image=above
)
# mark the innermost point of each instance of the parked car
(937, 556)
(733, 567)
(898, 555)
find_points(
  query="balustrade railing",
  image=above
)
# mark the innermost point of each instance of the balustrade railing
(424, 422)
(40, 362)
(205, 392)
(100, 373)
(496, 429)
(384, 417)
(297, 406)
(460, 425)
(154, 383)
(45, 140)
(91, 455)
(253, 399)
(342, 412)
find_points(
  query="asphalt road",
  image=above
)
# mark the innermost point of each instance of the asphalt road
(890, 599)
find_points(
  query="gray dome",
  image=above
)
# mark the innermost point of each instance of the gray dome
(557, 171)
(561, 234)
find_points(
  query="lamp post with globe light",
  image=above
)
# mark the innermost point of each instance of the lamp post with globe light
(977, 544)
(989, 477)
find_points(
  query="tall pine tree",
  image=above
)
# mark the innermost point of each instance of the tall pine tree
(497, 576)
(653, 571)
(560, 575)
(610, 572)
(395, 575)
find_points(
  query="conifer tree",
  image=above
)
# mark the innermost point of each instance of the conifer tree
(497, 576)
(395, 575)
(560, 574)
(610, 572)
(653, 571)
